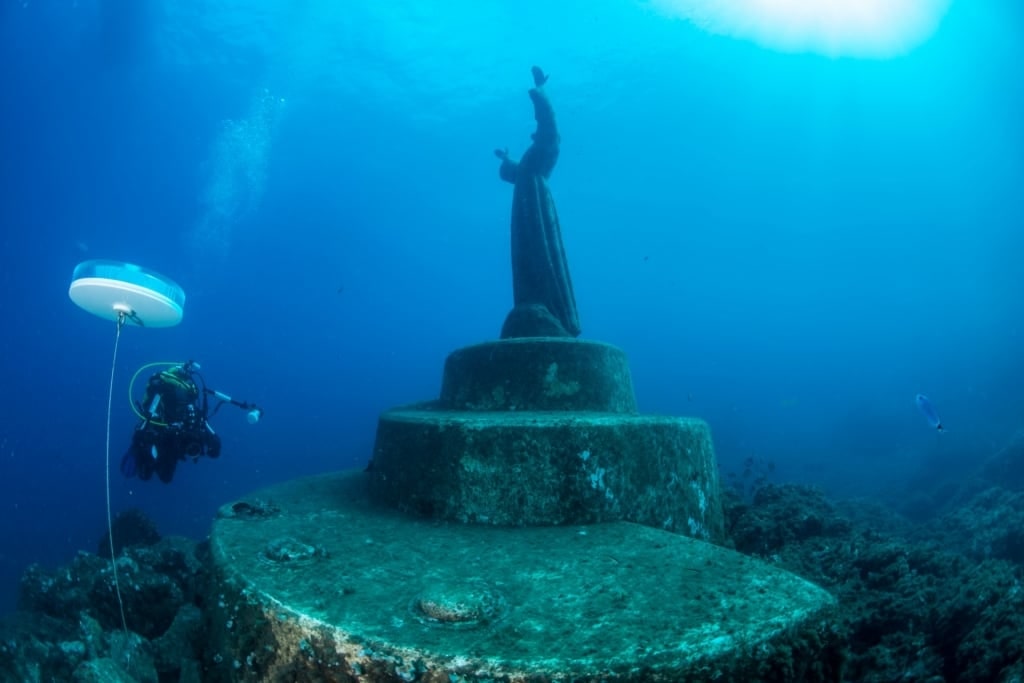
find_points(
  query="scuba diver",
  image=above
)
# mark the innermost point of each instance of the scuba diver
(174, 414)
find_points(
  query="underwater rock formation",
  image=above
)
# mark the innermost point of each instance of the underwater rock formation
(130, 528)
(68, 625)
(988, 526)
(911, 610)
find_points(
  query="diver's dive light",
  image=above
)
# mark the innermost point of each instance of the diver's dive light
(253, 412)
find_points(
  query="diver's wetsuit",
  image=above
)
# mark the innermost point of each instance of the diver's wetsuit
(175, 429)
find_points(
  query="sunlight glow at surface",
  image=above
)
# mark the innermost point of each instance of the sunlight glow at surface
(837, 28)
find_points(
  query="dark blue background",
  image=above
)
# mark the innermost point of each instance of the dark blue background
(787, 245)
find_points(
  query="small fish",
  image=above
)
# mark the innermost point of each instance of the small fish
(928, 410)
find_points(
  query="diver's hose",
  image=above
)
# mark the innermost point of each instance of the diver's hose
(131, 387)
(110, 522)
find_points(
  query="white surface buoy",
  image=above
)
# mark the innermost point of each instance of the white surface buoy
(123, 293)
(109, 289)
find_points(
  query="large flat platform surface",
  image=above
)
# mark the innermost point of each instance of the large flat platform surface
(610, 599)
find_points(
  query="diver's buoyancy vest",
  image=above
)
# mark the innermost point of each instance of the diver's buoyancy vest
(179, 396)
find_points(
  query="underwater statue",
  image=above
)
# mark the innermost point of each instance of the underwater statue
(545, 305)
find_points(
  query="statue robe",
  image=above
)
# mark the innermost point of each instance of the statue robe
(540, 271)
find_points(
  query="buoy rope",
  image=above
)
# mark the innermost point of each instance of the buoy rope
(110, 521)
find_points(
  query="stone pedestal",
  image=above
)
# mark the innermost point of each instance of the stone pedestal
(313, 582)
(529, 468)
(573, 560)
(538, 374)
(545, 431)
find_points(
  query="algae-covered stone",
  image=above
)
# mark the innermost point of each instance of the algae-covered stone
(107, 670)
(550, 468)
(181, 642)
(538, 373)
(396, 598)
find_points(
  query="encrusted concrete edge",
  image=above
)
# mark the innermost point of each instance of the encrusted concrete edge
(550, 468)
(538, 373)
(254, 637)
(258, 640)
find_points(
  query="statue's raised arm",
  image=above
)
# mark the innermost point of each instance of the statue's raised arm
(547, 129)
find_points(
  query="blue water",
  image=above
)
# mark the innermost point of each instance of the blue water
(789, 246)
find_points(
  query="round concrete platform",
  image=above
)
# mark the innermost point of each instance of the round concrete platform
(313, 582)
(528, 468)
(538, 373)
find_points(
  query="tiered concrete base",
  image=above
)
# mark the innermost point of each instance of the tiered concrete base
(529, 468)
(538, 374)
(545, 431)
(316, 584)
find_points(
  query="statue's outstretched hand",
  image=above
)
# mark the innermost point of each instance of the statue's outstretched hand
(539, 77)
(501, 154)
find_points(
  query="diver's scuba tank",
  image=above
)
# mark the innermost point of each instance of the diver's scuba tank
(154, 405)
